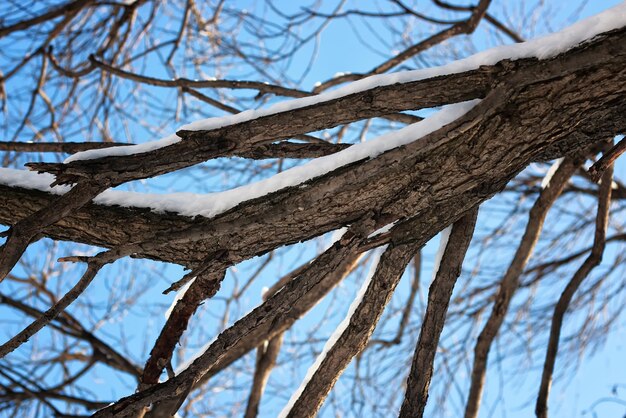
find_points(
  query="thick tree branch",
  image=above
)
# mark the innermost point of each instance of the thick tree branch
(203, 287)
(408, 307)
(254, 328)
(278, 150)
(439, 296)
(198, 146)
(481, 150)
(353, 339)
(26, 229)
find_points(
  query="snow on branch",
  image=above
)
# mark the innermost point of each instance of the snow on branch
(212, 204)
(541, 48)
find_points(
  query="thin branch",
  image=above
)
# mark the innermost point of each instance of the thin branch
(61, 147)
(439, 296)
(92, 269)
(593, 260)
(596, 171)
(70, 7)
(464, 27)
(488, 17)
(510, 280)
(266, 356)
(102, 350)
(184, 82)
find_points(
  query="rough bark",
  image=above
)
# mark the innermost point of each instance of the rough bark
(544, 109)
(354, 338)
(439, 296)
(298, 296)
(510, 281)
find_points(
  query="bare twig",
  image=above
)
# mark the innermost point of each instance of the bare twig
(92, 269)
(608, 158)
(184, 82)
(466, 26)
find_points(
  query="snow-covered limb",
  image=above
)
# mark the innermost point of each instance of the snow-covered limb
(546, 179)
(542, 48)
(210, 205)
(178, 296)
(445, 235)
(470, 156)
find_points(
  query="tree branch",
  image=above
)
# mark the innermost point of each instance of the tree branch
(266, 356)
(594, 259)
(596, 171)
(93, 266)
(466, 26)
(510, 280)
(439, 296)
(350, 342)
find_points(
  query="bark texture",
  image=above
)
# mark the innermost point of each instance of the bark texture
(535, 110)
(439, 295)
(531, 110)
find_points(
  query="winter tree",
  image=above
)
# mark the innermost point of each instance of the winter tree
(196, 225)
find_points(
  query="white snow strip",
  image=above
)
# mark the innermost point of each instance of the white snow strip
(30, 180)
(185, 364)
(336, 334)
(179, 295)
(333, 237)
(443, 243)
(212, 204)
(541, 48)
(555, 166)
(382, 230)
(125, 150)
